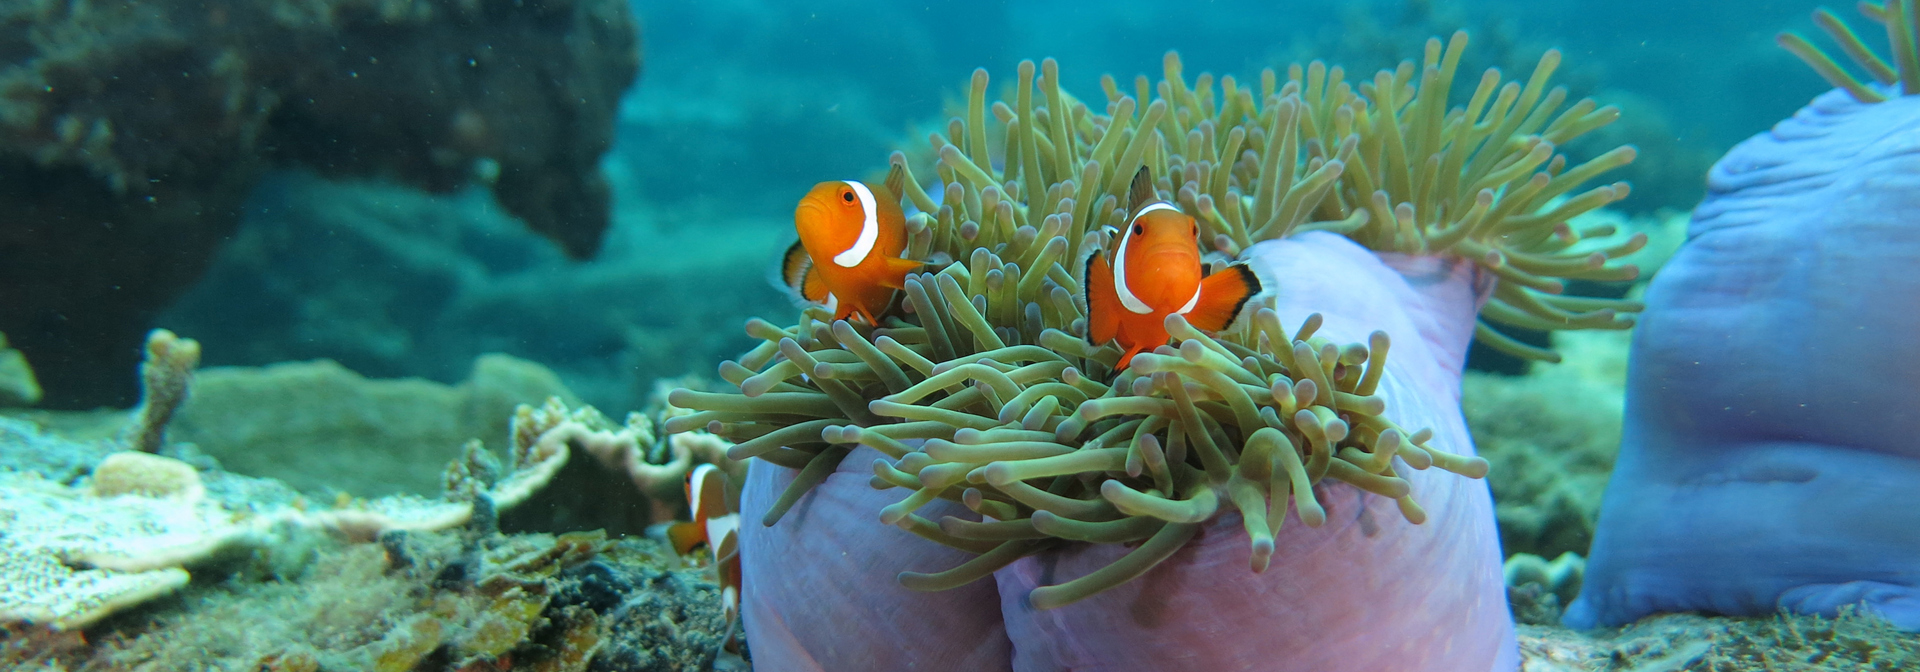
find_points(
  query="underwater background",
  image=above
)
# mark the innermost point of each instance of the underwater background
(403, 249)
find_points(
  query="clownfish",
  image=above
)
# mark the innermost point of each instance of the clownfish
(848, 256)
(1154, 271)
(716, 526)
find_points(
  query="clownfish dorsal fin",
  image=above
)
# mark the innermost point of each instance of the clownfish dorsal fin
(1141, 192)
(896, 182)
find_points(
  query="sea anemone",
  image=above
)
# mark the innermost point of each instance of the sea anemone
(985, 393)
(1900, 18)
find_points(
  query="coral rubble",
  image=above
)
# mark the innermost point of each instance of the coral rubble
(134, 132)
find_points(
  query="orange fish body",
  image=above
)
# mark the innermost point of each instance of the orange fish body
(1153, 271)
(716, 526)
(851, 238)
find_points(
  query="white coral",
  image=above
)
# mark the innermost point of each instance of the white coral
(70, 558)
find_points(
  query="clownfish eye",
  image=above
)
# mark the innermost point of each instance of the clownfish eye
(847, 196)
(1139, 230)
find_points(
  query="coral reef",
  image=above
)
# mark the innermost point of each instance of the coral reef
(95, 528)
(135, 131)
(315, 425)
(73, 556)
(574, 602)
(1847, 642)
(1550, 438)
(1765, 386)
(1537, 589)
(166, 375)
(1374, 205)
(18, 387)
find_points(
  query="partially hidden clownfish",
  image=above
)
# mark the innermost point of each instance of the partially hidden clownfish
(715, 525)
(1153, 271)
(848, 256)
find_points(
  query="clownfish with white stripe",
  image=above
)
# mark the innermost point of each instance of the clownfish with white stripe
(716, 526)
(1153, 271)
(851, 238)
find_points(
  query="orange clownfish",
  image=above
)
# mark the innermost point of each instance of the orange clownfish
(851, 237)
(715, 525)
(1154, 271)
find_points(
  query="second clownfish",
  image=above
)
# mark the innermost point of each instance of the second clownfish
(716, 526)
(851, 237)
(1154, 271)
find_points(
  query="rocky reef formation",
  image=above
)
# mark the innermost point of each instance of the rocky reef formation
(134, 132)
(154, 557)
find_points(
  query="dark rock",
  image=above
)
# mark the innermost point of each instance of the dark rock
(133, 133)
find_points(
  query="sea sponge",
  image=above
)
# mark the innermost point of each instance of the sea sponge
(135, 473)
(997, 380)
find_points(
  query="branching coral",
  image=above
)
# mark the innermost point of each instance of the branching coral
(1026, 424)
(1900, 18)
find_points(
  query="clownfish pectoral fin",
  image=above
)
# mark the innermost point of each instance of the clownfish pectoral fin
(1126, 358)
(1103, 304)
(1141, 192)
(1221, 297)
(896, 181)
(894, 272)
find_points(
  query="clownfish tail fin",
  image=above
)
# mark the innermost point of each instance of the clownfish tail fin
(1103, 304)
(1222, 295)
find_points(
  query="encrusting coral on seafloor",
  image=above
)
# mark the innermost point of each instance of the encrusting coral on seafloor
(987, 405)
(94, 529)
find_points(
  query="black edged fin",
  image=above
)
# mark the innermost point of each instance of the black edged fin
(1141, 192)
(1222, 295)
(800, 277)
(1103, 317)
(896, 182)
(794, 266)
